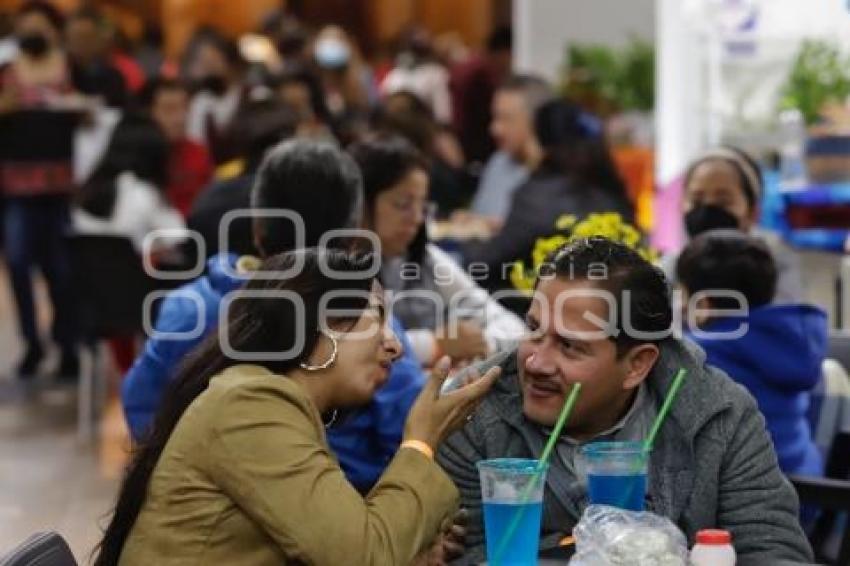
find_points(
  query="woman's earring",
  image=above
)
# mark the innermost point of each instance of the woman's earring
(327, 363)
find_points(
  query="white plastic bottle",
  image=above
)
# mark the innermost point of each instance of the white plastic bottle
(713, 548)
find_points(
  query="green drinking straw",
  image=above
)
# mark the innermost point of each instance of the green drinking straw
(665, 408)
(559, 426)
(541, 466)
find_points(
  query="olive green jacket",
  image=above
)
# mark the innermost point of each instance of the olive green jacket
(247, 478)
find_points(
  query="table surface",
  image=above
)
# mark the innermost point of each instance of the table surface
(554, 556)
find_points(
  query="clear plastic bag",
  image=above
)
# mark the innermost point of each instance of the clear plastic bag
(608, 536)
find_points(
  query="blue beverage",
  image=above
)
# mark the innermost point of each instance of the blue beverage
(521, 549)
(616, 473)
(626, 491)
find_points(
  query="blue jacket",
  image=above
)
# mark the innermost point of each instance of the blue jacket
(364, 442)
(779, 361)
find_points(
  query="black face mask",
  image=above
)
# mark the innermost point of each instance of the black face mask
(705, 217)
(214, 84)
(33, 44)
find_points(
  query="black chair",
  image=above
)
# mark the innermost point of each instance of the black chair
(832, 495)
(41, 549)
(110, 286)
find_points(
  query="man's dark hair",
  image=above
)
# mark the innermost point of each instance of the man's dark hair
(153, 86)
(259, 126)
(314, 179)
(624, 271)
(303, 76)
(728, 260)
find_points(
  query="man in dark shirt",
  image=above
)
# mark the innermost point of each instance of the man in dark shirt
(86, 37)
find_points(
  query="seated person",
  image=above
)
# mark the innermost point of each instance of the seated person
(238, 468)
(779, 357)
(189, 163)
(125, 194)
(723, 189)
(519, 153)
(712, 465)
(364, 442)
(443, 308)
(576, 176)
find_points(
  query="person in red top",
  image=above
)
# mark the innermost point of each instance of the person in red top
(190, 167)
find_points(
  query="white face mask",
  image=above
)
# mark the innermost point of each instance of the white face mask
(332, 53)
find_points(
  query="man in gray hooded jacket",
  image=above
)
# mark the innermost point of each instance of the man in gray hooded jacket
(601, 316)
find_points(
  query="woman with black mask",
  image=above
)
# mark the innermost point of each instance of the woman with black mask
(37, 123)
(722, 190)
(214, 68)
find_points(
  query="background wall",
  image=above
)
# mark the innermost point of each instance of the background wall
(542, 28)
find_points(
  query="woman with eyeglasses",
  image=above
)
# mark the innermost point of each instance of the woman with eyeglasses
(237, 469)
(443, 309)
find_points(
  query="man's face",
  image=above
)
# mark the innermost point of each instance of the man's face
(554, 357)
(511, 124)
(169, 110)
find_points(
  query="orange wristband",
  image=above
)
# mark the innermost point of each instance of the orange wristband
(420, 446)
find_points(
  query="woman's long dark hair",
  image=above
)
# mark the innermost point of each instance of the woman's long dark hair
(252, 325)
(138, 146)
(574, 145)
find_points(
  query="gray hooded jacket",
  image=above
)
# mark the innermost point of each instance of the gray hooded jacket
(713, 464)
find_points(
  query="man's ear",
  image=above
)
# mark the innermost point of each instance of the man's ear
(639, 361)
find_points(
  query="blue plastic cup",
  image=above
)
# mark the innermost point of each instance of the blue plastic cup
(616, 473)
(512, 497)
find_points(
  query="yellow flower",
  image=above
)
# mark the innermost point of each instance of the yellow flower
(544, 246)
(606, 224)
(565, 221)
(520, 279)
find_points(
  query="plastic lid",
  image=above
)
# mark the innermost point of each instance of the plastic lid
(713, 536)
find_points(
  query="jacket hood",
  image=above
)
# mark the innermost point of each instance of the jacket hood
(222, 273)
(783, 344)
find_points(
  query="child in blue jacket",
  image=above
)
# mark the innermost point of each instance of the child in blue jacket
(779, 353)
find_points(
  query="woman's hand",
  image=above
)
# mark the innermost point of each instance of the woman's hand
(464, 341)
(433, 416)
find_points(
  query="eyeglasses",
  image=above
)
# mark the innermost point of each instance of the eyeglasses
(410, 207)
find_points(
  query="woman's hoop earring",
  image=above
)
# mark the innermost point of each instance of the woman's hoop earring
(331, 422)
(327, 363)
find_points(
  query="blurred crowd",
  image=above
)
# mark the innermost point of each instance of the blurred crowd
(104, 136)
(465, 172)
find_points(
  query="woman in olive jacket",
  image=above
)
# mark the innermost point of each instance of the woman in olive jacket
(237, 469)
